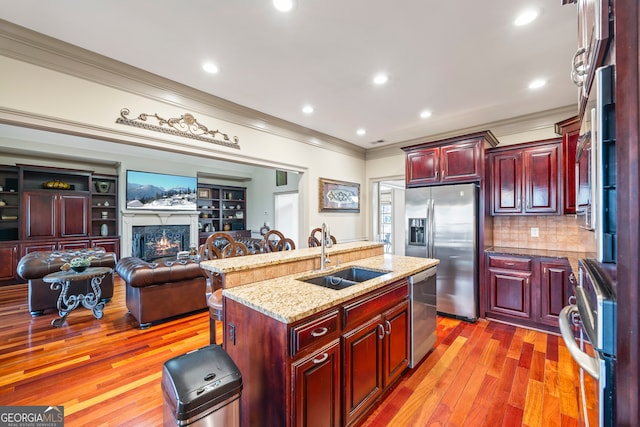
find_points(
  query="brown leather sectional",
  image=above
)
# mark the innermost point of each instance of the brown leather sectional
(35, 265)
(162, 289)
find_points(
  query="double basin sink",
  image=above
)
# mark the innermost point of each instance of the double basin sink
(341, 279)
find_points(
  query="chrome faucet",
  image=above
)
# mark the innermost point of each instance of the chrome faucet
(324, 237)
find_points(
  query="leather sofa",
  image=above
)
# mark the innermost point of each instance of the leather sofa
(35, 265)
(162, 289)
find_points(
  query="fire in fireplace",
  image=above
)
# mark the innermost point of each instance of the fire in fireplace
(158, 241)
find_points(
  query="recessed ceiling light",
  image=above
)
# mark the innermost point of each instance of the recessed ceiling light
(425, 114)
(307, 109)
(380, 79)
(283, 5)
(361, 131)
(210, 68)
(537, 84)
(525, 18)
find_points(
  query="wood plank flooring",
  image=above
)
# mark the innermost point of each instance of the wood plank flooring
(107, 372)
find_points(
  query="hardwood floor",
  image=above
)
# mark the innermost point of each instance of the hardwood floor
(107, 372)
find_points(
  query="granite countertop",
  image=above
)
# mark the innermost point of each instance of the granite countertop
(227, 265)
(288, 299)
(573, 257)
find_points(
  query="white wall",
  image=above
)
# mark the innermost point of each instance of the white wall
(41, 97)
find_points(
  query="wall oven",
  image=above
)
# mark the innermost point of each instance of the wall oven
(596, 165)
(591, 315)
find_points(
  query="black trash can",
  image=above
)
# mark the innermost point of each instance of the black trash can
(201, 388)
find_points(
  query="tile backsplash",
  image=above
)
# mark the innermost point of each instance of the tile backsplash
(557, 233)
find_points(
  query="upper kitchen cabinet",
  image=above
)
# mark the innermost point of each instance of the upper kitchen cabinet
(570, 130)
(458, 159)
(526, 179)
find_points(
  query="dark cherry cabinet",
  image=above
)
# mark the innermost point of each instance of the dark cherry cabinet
(362, 368)
(458, 159)
(9, 257)
(526, 179)
(328, 369)
(396, 345)
(375, 348)
(509, 283)
(375, 355)
(527, 291)
(461, 161)
(51, 215)
(541, 178)
(506, 170)
(315, 380)
(555, 289)
(570, 131)
(423, 166)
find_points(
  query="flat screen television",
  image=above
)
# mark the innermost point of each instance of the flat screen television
(159, 191)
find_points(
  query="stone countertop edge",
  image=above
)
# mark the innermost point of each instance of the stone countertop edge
(572, 257)
(288, 299)
(227, 265)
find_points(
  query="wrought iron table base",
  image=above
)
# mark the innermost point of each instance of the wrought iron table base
(67, 303)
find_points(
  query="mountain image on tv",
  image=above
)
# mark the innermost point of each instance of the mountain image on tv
(147, 190)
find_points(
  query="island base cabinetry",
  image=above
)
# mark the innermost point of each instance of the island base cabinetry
(316, 388)
(329, 369)
(376, 354)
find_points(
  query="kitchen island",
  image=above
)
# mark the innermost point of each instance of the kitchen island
(310, 355)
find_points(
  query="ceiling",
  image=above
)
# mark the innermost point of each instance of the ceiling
(463, 61)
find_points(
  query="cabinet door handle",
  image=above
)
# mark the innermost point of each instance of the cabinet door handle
(436, 174)
(572, 278)
(319, 332)
(381, 331)
(388, 326)
(321, 359)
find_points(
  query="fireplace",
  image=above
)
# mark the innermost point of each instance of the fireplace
(167, 231)
(150, 242)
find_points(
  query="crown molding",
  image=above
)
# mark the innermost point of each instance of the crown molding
(521, 124)
(28, 46)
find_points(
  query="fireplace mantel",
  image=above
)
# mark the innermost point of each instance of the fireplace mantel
(132, 219)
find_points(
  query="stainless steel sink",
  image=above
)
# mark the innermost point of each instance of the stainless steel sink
(341, 279)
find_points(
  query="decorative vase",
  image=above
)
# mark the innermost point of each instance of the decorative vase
(103, 186)
(104, 230)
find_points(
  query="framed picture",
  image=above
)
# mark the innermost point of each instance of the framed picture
(338, 196)
(204, 193)
(281, 178)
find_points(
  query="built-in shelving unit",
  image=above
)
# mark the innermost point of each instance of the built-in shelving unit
(47, 208)
(104, 205)
(221, 209)
(9, 203)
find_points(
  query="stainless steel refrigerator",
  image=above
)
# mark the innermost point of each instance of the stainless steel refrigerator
(442, 223)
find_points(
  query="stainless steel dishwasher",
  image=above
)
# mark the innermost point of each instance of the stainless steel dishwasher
(422, 296)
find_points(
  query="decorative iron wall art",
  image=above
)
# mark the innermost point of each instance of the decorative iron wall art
(185, 125)
(338, 196)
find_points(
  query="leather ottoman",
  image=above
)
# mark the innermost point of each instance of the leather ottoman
(35, 265)
(159, 290)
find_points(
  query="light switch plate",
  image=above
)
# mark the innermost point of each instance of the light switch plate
(535, 232)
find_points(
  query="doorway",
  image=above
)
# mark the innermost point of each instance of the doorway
(286, 215)
(388, 214)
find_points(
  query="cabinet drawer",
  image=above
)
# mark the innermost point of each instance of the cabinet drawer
(361, 310)
(313, 331)
(523, 264)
